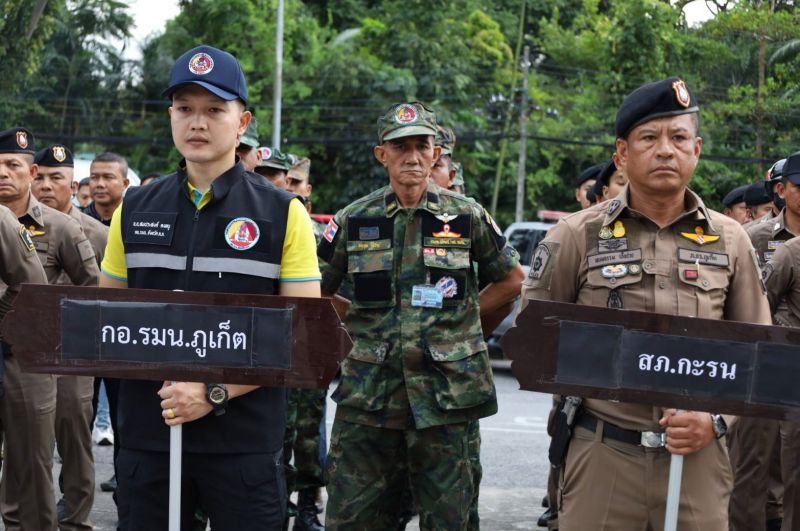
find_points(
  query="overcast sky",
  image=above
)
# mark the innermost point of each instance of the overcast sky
(150, 16)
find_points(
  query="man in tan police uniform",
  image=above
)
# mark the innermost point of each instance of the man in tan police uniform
(782, 277)
(53, 186)
(657, 248)
(62, 247)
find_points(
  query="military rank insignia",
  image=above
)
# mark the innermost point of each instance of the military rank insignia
(699, 236)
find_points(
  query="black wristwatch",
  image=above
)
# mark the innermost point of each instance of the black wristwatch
(719, 426)
(217, 396)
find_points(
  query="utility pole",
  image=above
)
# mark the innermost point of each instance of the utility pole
(276, 101)
(523, 134)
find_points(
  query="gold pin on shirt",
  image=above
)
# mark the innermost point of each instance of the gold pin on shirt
(605, 233)
(699, 236)
(619, 229)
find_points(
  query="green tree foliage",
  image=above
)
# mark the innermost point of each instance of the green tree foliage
(345, 62)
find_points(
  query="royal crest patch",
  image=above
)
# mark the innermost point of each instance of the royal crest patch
(242, 234)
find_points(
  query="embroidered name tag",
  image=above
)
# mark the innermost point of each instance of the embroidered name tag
(446, 242)
(377, 245)
(156, 228)
(703, 257)
(622, 257)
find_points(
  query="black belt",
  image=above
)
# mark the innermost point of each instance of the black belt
(610, 431)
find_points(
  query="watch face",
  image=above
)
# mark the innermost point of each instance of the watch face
(217, 395)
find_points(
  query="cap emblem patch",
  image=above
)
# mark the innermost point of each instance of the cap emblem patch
(266, 153)
(201, 64)
(59, 153)
(22, 139)
(405, 114)
(681, 93)
(242, 234)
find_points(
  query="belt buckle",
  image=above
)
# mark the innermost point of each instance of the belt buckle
(653, 439)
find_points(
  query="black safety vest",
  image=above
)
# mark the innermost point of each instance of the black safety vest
(233, 245)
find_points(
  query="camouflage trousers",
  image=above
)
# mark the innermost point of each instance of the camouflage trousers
(302, 440)
(369, 470)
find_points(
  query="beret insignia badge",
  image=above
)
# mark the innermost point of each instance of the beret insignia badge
(59, 153)
(22, 139)
(681, 93)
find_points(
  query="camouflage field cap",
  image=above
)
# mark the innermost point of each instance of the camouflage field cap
(250, 136)
(300, 168)
(446, 139)
(274, 158)
(458, 180)
(406, 119)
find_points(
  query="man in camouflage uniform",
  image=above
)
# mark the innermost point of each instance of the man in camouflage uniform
(418, 374)
(248, 147)
(305, 411)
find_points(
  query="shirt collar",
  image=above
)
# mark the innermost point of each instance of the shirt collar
(220, 186)
(778, 223)
(430, 200)
(35, 210)
(693, 206)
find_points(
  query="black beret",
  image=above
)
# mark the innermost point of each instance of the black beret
(54, 156)
(604, 177)
(756, 194)
(595, 193)
(668, 97)
(17, 140)
(589, 173)
(776, 171)
(735, 196)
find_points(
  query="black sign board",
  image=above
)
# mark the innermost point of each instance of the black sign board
(221, 336)
(186, 336)
(700, 364)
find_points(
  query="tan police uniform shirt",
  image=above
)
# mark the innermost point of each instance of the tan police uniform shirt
(782, 277)
(609, 255)
(96, 232)
(61, 245)
(768, 235)
(18, 261)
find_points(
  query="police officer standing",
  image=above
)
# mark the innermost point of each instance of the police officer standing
(584, 184)
(655, 247)
(418, 373)
(53, 186)
(782, 277)
(227, 231)
(62, 247)
(734, 205)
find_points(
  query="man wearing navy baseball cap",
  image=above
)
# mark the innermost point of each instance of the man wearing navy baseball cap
(225, 230)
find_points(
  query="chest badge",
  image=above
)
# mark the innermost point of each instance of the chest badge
(614, 271)
(446, 233)
(605, 233)
(448, 286)
(33, 231)
(699, 236)
(242, 234)
(446, 218)
(619, 229)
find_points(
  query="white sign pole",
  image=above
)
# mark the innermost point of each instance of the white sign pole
(175, 455)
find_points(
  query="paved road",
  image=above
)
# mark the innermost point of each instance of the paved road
(514, 457)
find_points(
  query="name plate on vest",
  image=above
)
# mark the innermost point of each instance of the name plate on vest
(217, 336)
(612, 357)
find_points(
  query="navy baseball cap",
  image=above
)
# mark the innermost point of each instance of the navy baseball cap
(216, 71)
(791, 168)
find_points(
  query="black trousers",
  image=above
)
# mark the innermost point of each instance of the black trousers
(239, 492)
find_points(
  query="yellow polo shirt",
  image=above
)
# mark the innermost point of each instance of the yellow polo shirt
(298, 260)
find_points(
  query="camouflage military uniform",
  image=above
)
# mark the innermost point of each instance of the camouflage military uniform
(417, 378)
(305, 412)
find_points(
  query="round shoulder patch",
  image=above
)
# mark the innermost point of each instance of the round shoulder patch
(242, 234)
(201, 64)
(405, 114)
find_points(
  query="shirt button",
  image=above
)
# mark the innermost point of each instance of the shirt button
(612, 280)
(661, 236)
(648, 265)
(662, 284)
(705, 283)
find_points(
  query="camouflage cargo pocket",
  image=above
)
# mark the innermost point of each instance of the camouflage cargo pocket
(463, 374)
(362, 384)
(373, 286)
